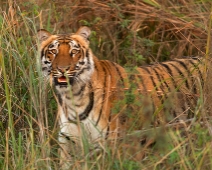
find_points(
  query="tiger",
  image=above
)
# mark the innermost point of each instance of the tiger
(88, 89)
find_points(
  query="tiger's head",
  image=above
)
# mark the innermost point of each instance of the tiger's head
(66, 58)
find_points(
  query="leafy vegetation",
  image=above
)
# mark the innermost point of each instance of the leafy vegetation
(129, 32)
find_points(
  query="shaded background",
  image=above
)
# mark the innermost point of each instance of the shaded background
(130, 32)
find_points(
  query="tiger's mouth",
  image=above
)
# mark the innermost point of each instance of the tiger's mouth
(64, 81)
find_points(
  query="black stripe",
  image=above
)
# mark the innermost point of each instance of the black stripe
(47, 62)
(80, 90)
(64, 37)
(103, 95)
(89, 107)
(67, 137)
(68, 97)
(164, 97)
(108, 127)
(183, 65)
(195, 58)
(51, 45)
(59, 99)
(70, 108)
(118, 71)
(160, 81)
(161, 75)
(181, 74)
(95, 67)
(170, 73)
(88, 64)
(189, 74)
(44, 51)
(86, 68)
(151, 76)
(72, 121)
(88, 56)
(196, 66)
(42, 54)
(108, 67)
(174, 112)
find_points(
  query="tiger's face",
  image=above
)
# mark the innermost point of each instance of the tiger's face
(66, 58)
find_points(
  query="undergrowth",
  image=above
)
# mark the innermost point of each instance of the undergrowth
(131, 33)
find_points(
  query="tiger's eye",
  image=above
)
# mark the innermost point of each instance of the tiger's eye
(74, 51)
(54, 51)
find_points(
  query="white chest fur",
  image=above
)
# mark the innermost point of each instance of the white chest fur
(78, 129)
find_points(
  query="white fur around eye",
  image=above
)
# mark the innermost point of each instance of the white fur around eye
(53, 46)
(73, 44)
(55, 43)
(74, 47)
(74, 51)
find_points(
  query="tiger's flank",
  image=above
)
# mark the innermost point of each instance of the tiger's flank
(88, 90)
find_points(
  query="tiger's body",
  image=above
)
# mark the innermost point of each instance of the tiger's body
(88, 88)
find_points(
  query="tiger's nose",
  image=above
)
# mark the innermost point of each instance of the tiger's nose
(63, 69)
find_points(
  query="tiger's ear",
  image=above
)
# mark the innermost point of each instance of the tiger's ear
(43, 35)
(84, 31)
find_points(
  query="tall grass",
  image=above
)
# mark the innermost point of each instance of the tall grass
(128, 32)
(25, 132)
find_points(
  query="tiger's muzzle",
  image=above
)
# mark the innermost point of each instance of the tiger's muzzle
(63, 76)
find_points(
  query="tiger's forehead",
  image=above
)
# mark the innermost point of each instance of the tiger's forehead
(66, 38)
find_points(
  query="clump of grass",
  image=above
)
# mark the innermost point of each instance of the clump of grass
(25, 132)
(128, 32)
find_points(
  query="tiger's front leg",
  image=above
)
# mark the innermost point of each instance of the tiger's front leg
(64, 152)
(68, 136)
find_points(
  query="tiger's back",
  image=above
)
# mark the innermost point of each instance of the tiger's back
(160, 93)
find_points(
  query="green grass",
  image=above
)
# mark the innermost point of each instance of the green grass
(131, 33)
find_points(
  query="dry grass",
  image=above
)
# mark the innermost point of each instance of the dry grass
(129, 32)
(157, 30)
